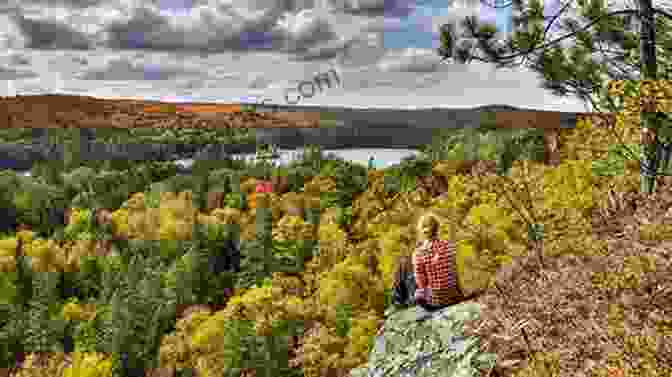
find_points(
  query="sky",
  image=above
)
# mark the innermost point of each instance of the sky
(382, 51)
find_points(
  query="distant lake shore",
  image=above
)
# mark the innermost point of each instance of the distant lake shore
(21, 157)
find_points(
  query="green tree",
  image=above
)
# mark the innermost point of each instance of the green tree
(139, 313)
(598, 44)
(264, 225)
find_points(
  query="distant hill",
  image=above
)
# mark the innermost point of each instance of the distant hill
(496, 108)
(408, 129)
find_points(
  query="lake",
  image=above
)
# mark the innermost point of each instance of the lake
(383, 157)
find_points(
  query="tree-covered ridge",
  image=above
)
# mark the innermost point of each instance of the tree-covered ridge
(137, 135)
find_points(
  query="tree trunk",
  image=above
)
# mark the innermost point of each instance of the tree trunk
(215, 200)
(648, 70)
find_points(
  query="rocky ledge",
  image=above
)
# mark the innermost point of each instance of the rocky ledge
(417, 343)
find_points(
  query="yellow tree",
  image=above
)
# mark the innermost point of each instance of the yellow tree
(599, 44)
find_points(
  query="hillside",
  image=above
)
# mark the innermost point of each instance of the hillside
(78, 111)
(249, 270)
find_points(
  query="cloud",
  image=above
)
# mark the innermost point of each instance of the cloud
(80, 59)
(305, 30)
(321, 53)
(365, 49)
(290, 27)
(427, 81)
(220, 29)
(175, 5)
(145, 29)
(123, 70)
(45, 34)
(259, 82)
(373, 8)
(66, 3)
(12, 74)
(328, 50)
(411, 60)
(19, 59)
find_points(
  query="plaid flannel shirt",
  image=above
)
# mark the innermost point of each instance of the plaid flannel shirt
(436, 270)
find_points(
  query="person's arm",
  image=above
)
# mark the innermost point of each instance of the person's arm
(420, 277)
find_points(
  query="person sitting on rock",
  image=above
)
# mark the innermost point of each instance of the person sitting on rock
(435, 267)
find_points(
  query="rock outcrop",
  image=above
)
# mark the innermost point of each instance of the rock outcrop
(417, 343)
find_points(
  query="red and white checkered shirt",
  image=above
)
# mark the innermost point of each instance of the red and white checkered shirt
(436, 269)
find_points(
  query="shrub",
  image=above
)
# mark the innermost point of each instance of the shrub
(89, 365)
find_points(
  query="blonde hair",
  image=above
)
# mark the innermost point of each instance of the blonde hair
(431, 221)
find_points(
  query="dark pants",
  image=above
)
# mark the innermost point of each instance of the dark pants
(429, 307)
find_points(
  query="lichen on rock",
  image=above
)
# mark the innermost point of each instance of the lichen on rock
(417, 343)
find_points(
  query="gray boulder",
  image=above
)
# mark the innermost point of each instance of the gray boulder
(417, 343)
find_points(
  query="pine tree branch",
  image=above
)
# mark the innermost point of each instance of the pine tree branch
(623, 66)
(555, 18)
(553, 42)
(510, 3)
(662, 13)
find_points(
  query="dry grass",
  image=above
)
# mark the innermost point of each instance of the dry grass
(594, 315)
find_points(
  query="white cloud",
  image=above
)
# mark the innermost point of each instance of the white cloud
(411, 60)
